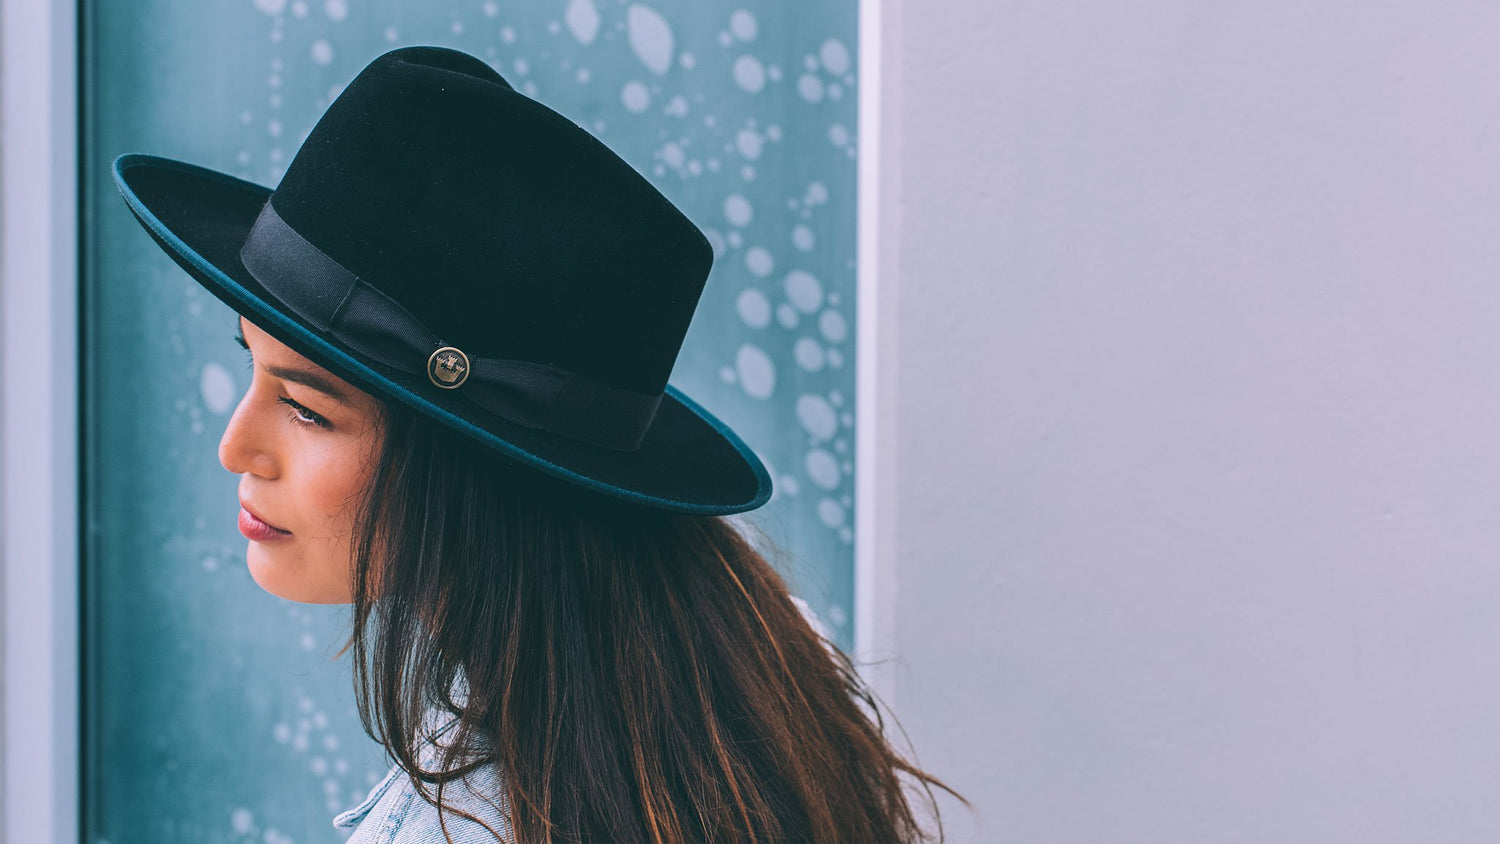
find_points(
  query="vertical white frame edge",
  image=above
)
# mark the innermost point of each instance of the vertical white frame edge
(39, 372)
(875, 483)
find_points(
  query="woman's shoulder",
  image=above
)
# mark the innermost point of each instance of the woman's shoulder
(394, 813)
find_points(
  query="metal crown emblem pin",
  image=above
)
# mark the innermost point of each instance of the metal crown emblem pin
(448, 368)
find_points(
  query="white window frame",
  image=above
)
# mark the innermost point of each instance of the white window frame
(875, 549)
(39, 586)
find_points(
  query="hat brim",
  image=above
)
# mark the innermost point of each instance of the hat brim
(689, 461)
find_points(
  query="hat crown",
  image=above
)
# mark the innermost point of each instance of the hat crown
(501, 225)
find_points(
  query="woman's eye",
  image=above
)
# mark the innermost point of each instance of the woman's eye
(302, 416)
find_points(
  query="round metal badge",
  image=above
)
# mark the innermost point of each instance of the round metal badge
(448, 368)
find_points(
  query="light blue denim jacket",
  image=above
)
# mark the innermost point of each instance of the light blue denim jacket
(394, 813)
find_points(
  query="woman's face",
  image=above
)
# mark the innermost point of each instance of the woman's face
(303, 442)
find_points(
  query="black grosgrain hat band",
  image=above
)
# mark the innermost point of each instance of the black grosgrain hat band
(339, 303)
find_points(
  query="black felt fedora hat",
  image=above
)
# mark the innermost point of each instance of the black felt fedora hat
(444, 241)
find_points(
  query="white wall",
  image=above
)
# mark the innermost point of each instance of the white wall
(1195, 351)
(38, 423)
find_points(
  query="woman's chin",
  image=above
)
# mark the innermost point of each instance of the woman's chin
(281, 572)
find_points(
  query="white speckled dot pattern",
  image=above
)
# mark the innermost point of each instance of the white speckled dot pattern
(743, 116)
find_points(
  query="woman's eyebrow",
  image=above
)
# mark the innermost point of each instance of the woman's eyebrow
(308, 379)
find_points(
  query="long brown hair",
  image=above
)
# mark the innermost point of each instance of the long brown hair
(638, 675)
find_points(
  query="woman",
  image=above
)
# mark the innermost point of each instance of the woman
(461, 311)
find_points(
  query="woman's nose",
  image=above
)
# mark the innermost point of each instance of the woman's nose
(245, 446)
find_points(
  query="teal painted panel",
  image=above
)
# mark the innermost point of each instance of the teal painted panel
(216, 712)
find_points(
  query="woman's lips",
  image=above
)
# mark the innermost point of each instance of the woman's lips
(255, 529)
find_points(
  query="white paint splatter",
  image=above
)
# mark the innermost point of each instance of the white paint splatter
(217, 387)
(808, 354)
(749, 142)
(737, 210)
(804, 291)
(242, 821)
(817, 193)
(336, 10)
(817, 416)
(583, 20)
(833, 326)
(830, 512)
(838, 134)
(743, 25)
(835, 56)
(635, 97)
(672, 155)
(802, 238)
(754, 308)
(650, 37)
(756, 372)
(810, 87)
(322, 51)
(676, 107)
(271, 7)
(786, 315)
(759, 261)
(749, 74)
(822, 468)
